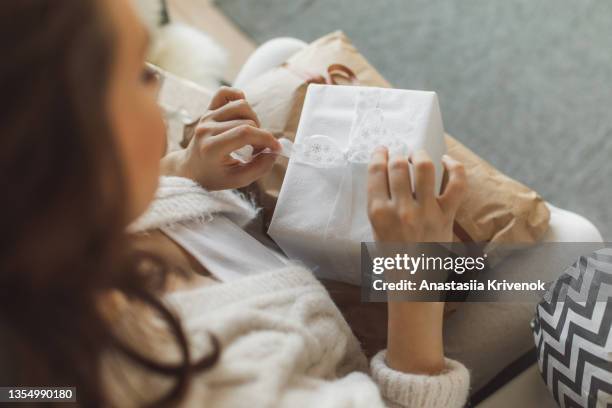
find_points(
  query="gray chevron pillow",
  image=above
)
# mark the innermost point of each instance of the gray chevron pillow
(572, 330)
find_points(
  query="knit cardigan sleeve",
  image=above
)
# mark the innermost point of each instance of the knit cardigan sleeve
(448, 389)
(179, 200)
(389, 389)
(384, 388)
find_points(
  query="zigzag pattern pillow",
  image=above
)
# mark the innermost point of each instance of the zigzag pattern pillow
(573, 333)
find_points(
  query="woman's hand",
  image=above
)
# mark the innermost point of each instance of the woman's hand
(398, 215)
(414, 331)
(229, 124)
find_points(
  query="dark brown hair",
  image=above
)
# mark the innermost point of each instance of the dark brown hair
(62, 221)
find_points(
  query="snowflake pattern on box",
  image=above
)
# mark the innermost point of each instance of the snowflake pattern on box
(368, 131)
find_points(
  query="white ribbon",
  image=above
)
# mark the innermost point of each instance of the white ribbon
(368, 131)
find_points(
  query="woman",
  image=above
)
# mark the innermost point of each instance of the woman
(82, 306)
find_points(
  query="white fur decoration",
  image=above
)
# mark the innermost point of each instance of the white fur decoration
(189, 53)
(183, 50)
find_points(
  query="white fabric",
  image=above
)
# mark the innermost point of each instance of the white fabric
(268, 55)
(566, 226)
(224, 249)
(284, 342)
(320, 216)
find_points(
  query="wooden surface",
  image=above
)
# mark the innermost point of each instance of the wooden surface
(204, 15)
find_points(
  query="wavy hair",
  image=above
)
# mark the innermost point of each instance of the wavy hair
(62, 222)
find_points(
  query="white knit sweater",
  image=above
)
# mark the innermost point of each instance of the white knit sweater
(284, 342)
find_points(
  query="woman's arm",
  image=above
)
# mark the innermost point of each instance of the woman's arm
(229, 124)
(414, 337)
(414, 343)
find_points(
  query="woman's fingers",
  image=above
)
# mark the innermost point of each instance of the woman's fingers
(212, 128)
(238, 109)
(245, 174)
(453, 194)
(424, 177)
(381, 211)
(378, 184)
(240, 136)
(400, 185)
(224, 95)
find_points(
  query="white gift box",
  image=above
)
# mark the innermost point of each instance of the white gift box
(320, 217)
